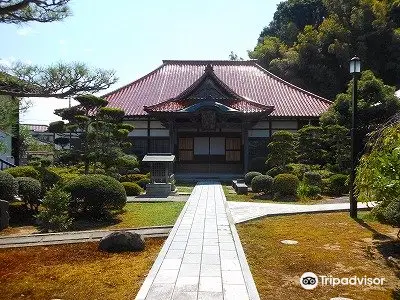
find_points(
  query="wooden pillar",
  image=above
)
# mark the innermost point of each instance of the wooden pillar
(171, 137)
(245, 136)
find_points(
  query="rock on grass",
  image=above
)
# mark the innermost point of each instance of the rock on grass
(121, 241)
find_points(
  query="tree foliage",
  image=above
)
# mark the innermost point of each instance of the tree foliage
(281, 149)
(20, 11)
(310, 42)
(61, 80)
(100, 128)
(379, 170)
(376, 104)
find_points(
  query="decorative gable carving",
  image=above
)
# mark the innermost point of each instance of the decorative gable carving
(208, 89)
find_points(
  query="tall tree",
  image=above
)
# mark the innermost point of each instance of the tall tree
(20, 11)
(100, 129)
(61, 80)
(316, 57)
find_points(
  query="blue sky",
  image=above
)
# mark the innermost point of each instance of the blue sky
(135, 37)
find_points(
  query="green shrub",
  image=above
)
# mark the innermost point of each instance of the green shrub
(30, 191)
(388, 212)
(298, 169)
(126, 163)
(249, 177)
(278, 170)
(96, 194)
(48, 179)
(285, 185)
(324, 173)
(132, 189)
(132, 177)
(262, 183)
(54, 214)
(308, 191)
(24, 171)
(46, 162)
(8, 186)
(143, 182)
(337, 185)
(257, 164)
(313, 178)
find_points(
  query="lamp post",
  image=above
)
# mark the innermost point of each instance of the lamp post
(355, 69)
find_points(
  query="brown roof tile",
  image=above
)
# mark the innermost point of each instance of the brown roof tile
(245, 78)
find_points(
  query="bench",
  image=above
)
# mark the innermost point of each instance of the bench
(240, 187)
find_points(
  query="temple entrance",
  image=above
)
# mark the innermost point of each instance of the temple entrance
(210, 154)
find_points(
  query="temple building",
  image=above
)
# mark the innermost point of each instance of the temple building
(215, 116)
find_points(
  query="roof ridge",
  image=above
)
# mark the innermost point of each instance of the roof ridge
(291, 84)
(135, 81)
(208, 61)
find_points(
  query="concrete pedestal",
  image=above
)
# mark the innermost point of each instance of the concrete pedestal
(158, 189)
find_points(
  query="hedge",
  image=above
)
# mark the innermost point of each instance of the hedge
(286, 184)
(249, 177)
(337, 185)
(24, 171)
(96, 194)
(8, 186)
(132, 189)
(30, 190)
(262, 183)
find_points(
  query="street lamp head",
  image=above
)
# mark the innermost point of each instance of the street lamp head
(355, 65)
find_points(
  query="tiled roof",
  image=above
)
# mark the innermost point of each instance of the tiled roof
(36, 127)
(245, 78)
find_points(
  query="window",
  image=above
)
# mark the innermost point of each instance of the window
(139, 146)
(232, 147)
(185, 149)
(159, 146)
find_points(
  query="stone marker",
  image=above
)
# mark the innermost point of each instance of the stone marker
(4, 215)
(120, 241)
(289, 242)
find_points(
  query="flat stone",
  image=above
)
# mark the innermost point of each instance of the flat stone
(289, 242)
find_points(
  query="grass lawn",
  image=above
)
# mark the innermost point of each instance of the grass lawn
(231, 195)
(74, 271)
(138, 214)
(185, 188)
(329, 244)
(149, 214)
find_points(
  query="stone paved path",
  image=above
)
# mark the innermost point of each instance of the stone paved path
(202, 257)
(245, 211)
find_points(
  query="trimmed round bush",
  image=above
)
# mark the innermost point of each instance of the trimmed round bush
(337, 185)
(126, 163)
(257, 164)
(132, 177)
(313, 178)
(30, 190)
(249, 177)
(132, 189)
(262, 183)
(278, 170)
(8, 186)
(143, 182)
(95, 194)
(23, 171)
(286, 184)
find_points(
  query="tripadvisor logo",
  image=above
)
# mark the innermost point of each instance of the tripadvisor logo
(310, 280)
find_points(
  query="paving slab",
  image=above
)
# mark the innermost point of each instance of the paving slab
(202, 257)
(246, 211)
